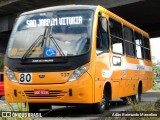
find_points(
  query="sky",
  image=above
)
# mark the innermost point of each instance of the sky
(155, 47)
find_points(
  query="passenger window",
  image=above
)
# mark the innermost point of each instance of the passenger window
(139, 45)
(129, 41)
(102, 35)
(146, 42)
(117, 45)
(147, 54)
(115, 28)
(116, 36)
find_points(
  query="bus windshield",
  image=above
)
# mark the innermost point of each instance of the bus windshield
(51, 34)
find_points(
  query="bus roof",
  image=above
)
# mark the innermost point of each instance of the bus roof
(125, 22)
(91, 7)
(64, 7)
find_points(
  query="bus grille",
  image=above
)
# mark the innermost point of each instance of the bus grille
(53, 94)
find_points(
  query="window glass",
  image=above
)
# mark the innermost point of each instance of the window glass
(138, 38)
(102, 37)
(1, 78)
(146, 42)
(128, 34)
(129, 49)
(139, 51)
(147, 54)
(116, 36)
(51, 34)
(129, 41)
(139, 48)
(117, 45)
(115, 28)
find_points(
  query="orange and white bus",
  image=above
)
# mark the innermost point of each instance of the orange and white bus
(76, 54)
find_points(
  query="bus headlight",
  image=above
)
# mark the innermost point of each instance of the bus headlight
(10, 75)
(77, 73)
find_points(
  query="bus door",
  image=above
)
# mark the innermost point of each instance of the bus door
(117, 48)
(102, 56)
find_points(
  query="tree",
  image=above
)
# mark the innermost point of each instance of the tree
(156, 70)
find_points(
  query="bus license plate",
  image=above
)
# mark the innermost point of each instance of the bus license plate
(41, 92)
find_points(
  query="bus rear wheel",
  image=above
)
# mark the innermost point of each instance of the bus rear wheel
(137, 98)
(125, 100)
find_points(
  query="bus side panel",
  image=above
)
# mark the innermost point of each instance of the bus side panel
(124, 78)
(101, 74)
(147, 82)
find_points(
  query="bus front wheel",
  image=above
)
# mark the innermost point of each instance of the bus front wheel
(103, 105)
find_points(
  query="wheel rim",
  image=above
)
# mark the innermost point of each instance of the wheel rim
(103, 103)
(138, 97)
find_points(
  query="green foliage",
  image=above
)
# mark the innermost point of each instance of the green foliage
(135, 107)
(156, 75)
(157, 105)
(139, 107)
(19, 107)
(156, 70)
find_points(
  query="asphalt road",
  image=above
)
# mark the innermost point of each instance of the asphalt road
(81, 112)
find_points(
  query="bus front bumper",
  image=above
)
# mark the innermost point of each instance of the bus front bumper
(78, 91)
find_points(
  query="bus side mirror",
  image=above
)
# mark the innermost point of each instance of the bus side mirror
(103, 25)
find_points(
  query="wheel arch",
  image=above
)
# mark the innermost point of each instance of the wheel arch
(108, 90)
(140, 87)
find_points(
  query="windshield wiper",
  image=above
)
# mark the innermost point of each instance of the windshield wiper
(56, 45)
(41, 37)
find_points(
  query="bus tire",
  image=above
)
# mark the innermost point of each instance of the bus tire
(2, 97)
(107, 103)
(125, 100)
(103, 105)
(139, 93)
(137, 98)
(33, 107)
